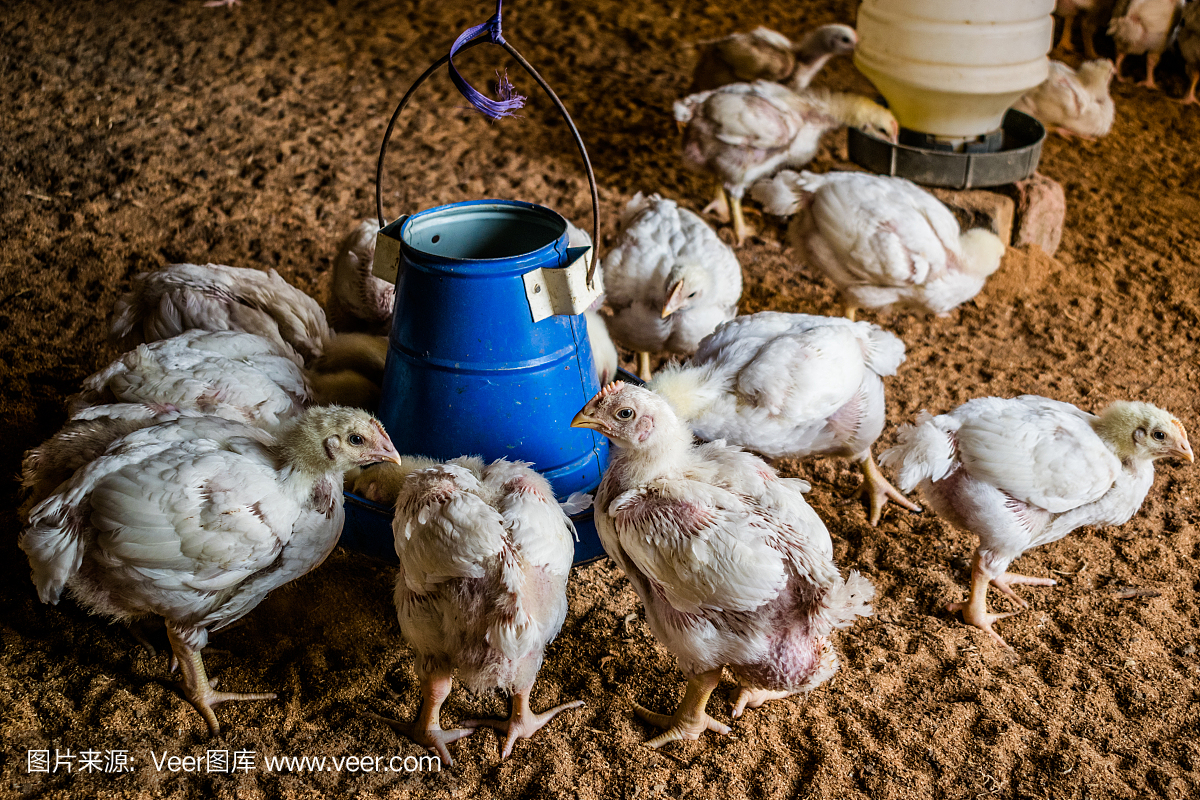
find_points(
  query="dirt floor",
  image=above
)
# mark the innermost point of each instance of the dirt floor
(139, 134)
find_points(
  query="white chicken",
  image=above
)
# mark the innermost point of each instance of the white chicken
(484, 556)
(764, 54)
(669, 278)
(881, 240)
(1073, 103)
(746, 131)
(357, 294)
(214, 297)
(198, 519)
(1026, 472)
(791, 385)
(1143, 26)
(733, 566)
(234, 375)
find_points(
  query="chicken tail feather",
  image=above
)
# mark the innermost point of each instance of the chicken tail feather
(55, 549)
(844, 602)
(924, 450)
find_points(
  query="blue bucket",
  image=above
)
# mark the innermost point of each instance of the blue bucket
(469, 371)
(470, 368)
(488, 353)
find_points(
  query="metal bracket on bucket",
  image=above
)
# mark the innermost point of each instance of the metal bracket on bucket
(562, 290)
(480, 34)
(386, 265)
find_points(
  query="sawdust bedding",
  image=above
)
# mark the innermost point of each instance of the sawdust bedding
(138, 134)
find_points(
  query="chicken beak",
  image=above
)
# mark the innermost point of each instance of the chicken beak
(674, 302)
(1184, 451)
(585, 420)
(385, 451)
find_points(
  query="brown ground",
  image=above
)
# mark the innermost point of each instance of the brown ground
(138, 134)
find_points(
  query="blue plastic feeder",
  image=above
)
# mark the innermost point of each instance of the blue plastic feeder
(488, 353)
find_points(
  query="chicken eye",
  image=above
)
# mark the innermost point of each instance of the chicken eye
(356, 440)
(690, 296)
(625, 413)
(1159, 435)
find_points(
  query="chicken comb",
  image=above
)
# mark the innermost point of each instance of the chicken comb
(610, 389)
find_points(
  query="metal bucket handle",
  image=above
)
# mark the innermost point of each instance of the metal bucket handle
(481, 37)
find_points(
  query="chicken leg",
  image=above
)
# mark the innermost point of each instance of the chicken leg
(1064, 43)
(644, 367)
(1190, 97)
(690, 719)
(719, 207)
(196, 686)
(522, 722)
(1151, 64)
(974, 611)
(427, 729)
(741, 231)
(1117, 61)
(878, 491)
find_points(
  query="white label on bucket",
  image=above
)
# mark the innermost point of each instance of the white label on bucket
(562, 290)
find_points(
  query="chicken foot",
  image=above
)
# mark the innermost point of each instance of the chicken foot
(690, 719)
(974, 611)
(197, 688)
(427, 729)
(754, 698)
(879, 491)
(522, 723)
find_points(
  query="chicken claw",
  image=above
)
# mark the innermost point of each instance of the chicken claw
(427, 729)
(196, 686)
(522, 723)
(754, 698)
(878, 491)
(690, 719)
(1003, 583)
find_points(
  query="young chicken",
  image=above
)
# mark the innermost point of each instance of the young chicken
(764, 54)
(1189, 47)
(746, 131)
(233, 375)
(881, 240)
(1143, 26)
(214, 297)
(1095, 15)
(669, 279)
(1073, 103)
(1026, 472)
(358, 296)
(791, 385)
(733, 566)
(198, 519)
(484, 556)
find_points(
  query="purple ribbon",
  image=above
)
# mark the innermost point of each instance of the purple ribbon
(509, 100)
